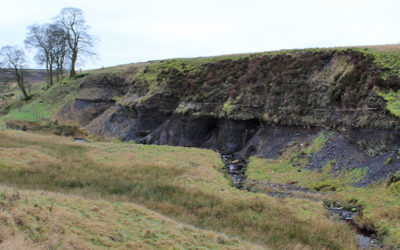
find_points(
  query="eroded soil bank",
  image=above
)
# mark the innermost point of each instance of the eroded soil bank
(252, 105)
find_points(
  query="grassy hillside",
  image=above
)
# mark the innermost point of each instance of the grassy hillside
(182, 183)
(388, 57)
(151, 78)
(198, 83)
(46, 102)
(45, 220)
(31, 75)
(43, 104)
(32, 78)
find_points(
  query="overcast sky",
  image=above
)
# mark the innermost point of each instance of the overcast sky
(141, 30)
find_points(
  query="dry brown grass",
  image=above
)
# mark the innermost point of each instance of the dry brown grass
(19, 241)
(45, 220)
(182, 183)
(383, 48)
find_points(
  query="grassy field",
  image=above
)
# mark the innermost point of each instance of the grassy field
(380, 202)
(45, 220)
(182, 183)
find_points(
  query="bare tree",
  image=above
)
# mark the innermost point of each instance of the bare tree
(36, 39)
(61, 57)
(13, 59)
(79, 41)
(61, 50)
(49, 41)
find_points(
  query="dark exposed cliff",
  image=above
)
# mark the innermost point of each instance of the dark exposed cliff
(257, 104)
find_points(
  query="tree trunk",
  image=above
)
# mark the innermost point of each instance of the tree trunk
(22, 87)
(59, 69)
(48, 74)
(57, 73)
(62, 68)
(51, 74)
(73, 61)
(19, 74)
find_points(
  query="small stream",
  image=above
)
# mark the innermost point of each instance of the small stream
(367, 239)
(236, 168)
(81, 140)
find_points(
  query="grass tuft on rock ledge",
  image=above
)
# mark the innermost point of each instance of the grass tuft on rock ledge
(393, 102)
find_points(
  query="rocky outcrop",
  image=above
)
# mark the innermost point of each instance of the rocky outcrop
(325, 89)
(97, 93)
(262, 104)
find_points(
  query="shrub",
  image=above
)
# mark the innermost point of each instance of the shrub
(395, 188)
(324, 186)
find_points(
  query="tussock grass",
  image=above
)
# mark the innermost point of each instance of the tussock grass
(386, 56)
(282, 171)
(393, 102)
(182, 183)
(45, 220)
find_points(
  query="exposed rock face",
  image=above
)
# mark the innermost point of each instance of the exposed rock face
(117, 121)
(83, 111)
(254, 105)
(329, 89)
(96, 95)
(224, 135)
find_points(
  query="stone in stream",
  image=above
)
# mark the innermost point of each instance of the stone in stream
(236, 169)
(365, 242)
(344, 214)
(365, 239)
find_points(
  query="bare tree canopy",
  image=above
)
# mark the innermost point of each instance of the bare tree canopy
(13, 59)
(61, 52)
(79, 41)
(49, 40)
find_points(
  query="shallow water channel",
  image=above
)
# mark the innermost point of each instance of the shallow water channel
(236, 169)
(80, 140)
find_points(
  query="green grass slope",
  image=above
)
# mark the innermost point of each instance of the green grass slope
(46, 102)
(387, 57)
